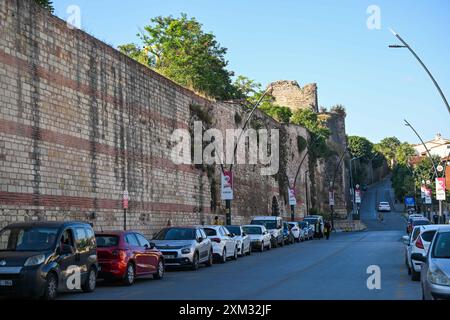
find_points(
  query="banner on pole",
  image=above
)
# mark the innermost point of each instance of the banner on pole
(292, 199)
(440, 189)
(227, 185)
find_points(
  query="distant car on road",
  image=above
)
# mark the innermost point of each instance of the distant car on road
(418, 242)
(126, 255)
(313, 220)
(223, 243)
(259, 236)
(298, 232)
(184, 246)
(435, 274)
(419, 221)
(288, 236)
(384, 206)
(242, 240)
(274, 226)
(308, 229)
(38, 258)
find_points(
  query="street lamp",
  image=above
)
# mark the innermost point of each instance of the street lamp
(405, 45)
(431, 159)
(352, 182)
(332, 185)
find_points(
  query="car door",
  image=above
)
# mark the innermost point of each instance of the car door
(202, 245)
(82, 249)
(230, 243)
(138, 253)
(206, 244)
(151, 256)
(67, 261)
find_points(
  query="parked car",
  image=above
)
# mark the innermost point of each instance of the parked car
(242, 239)
(126, 255)
(223, 243)
(420, 221)
(435, 274)
(274, 226)
(259, 236)
(418, 242)
(184, 246)
(384, 206)
(288, 236)
(38, 259)
(415, 215)
(313, 220)
(298, 232)
(308, 229)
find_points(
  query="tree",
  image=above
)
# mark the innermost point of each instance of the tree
(133, 51)
(360, 147)
(179, 49)
(403, 153)
(279, 113)
(246, 88)
(47, 4)
(388, 147)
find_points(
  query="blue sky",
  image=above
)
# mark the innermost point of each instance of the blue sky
(321, 41)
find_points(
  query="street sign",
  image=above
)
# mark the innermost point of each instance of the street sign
(440, 168)
(227, 185)
(292, 199)
(125, 199)
(423, 191)
(428, 199)
(357, 196)
(410, 201)
(440, 189)
(331, 198)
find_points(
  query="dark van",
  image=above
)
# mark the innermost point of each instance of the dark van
(38, 259)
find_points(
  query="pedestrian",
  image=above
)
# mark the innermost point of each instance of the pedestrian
(436, 218)
(318, 229)
(169, 223)
(327, 229)
(216, 221)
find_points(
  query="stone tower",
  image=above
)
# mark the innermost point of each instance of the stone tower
(290, 94)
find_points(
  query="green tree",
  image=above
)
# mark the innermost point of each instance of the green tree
(47, 4)
(179, 49)
(403, 153)
(246, 88)
(281, 114)
(360, 147)
(133, 51)
(388, 147)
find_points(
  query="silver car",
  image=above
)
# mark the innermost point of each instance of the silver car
(184, 246)
(259, 236)
(435, 273)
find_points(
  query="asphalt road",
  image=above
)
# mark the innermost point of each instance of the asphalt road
(319, 269)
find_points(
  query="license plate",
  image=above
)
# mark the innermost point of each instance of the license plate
(170, 257)
(6, 283)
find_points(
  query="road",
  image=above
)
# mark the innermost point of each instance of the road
(319, 269)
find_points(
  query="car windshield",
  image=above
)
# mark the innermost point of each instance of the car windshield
(421, 222)
(311, 220)
(105, 241)
(269, 224)
(384, 203)
(28, 239)
(252, 230)
(234, 230)
(302, 224)
(175, 234)
(442, 246)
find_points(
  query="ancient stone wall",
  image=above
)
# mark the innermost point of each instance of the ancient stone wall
(290, 94)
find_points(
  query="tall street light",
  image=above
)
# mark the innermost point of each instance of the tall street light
(332, 184)
(405, 45)
(431, 159)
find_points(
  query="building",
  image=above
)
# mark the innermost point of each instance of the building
(438, 146)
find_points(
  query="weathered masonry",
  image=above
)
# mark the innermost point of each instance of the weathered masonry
(80, 123)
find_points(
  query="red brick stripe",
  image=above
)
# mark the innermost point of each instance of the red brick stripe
(62, 81)
(26, 199)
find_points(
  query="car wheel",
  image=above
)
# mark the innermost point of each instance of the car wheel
(282, 243)
(130, 275)
(91, 281)
(209, 263)
(262, 247)
(270, 246)
(249, 250)
(160, 272)
(195, 262)
(415, 276)
(51, 287)
(224, 256)
(235, 255)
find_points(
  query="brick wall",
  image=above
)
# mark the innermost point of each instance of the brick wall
(80, 123)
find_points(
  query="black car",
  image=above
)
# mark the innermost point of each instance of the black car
(38, 259)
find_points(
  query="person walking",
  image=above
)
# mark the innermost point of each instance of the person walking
(327, 229)
(217, 221)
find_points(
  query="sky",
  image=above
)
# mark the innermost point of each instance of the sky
(324, 41)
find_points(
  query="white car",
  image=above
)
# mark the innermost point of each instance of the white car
(384, 206)
(242, 239)
(223, 244)
(418, 242)
(297, 231)
(274, 226)
(259, 236)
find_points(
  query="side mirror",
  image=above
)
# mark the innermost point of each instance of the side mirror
(152, 245)
(418, 257)
(244, 234)
(231, 235)
(405, 240)
(200, 239)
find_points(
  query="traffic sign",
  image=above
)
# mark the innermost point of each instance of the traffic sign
(357, 196)
(440, 168)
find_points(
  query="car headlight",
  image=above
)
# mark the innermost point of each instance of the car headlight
(438, 277)
(186, 250)
(35, 260)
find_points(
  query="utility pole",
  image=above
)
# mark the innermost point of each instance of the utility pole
(307, 196)
(332, 185)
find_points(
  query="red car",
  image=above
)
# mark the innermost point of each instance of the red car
(126, 255)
